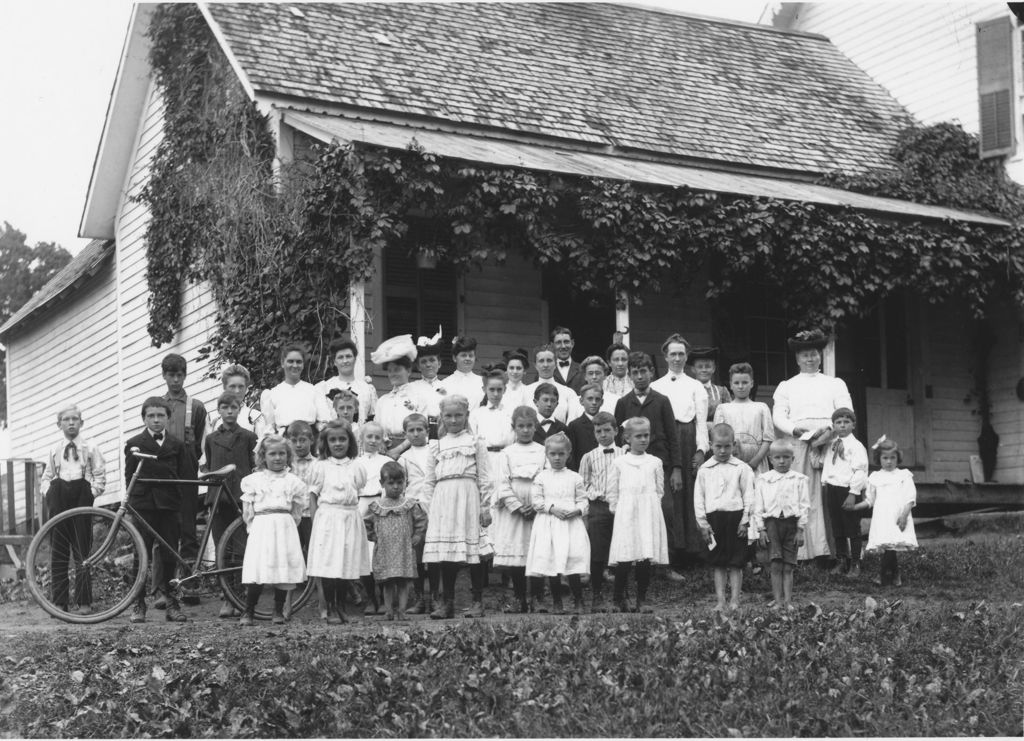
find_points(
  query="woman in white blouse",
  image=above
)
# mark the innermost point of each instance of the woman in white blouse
(803, 412)
(294, 399)
(343, 355)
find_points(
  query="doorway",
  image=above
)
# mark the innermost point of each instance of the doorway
(592, 321)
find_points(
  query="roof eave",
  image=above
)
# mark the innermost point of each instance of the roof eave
(124, 112)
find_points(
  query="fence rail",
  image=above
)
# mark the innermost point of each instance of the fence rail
(22, 509)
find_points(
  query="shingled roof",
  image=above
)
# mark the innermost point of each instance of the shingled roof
(82, 267)
(612, 75)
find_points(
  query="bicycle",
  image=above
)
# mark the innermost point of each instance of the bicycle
(100, 548)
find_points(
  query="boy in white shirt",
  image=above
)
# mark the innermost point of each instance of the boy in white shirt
(722, 497)
(845, 476)
(779, 517)
(74, 476)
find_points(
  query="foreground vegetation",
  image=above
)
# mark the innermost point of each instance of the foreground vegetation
(934, 659)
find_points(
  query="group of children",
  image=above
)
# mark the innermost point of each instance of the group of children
(384, 504)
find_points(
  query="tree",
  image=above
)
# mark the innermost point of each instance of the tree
(23, 271)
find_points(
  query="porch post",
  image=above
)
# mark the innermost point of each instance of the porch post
(622, 317)
(357, 323)
(828, 358)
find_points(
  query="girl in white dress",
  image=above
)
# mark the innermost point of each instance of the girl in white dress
(372, 459)
(559, 545)
(514, 513)
(892, 494)
(492, 423)
(516, 364)
(272, 503)
(458, 487)
(636, 484)
(338, 548)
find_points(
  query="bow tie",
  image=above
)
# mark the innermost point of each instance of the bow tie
(159, 437)
(674, 378)
(837, 449)
(564, 363)
(545, 422)
(608, 451)
(72, 451)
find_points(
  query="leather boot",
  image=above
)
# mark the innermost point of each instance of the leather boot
(173, 613)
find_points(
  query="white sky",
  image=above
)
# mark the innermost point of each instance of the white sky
(58, 60)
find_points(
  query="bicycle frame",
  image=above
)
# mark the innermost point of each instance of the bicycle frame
(126, 508)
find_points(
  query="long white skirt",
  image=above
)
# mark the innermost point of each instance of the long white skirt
(638, 533)
(273, 554)
(338, 548)
(558, 547)
(453, 527)
(816, 533)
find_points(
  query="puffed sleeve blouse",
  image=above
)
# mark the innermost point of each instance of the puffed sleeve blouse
(808, 396)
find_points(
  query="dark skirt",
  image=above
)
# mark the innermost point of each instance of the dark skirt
(730, 548)
(599, 529)
(680, 518)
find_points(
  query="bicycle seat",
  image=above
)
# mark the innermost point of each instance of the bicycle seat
(219, 472)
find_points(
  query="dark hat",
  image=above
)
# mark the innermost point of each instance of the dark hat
(809, 339)
(463, 344)
(517, 354)
(702, 353)
(429, 345)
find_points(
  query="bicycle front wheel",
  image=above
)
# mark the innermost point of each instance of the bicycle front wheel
(230, 554)
(76, 575)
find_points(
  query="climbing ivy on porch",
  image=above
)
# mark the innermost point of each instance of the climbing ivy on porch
(281, 248)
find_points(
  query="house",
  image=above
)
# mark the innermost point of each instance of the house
(945, 62)
(598, 90)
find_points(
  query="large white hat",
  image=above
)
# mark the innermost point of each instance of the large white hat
(394, 348)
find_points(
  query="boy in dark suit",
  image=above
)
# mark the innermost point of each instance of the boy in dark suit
(581, 430)
(643, 401)
(545, 398)
(229, 443)
(187, 423)
(159, 505)
(567, 371)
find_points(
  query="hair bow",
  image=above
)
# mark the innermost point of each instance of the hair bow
(878, 442)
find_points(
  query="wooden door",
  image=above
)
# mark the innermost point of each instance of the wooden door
(890, 412)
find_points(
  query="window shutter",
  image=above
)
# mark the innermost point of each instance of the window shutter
(995, 87)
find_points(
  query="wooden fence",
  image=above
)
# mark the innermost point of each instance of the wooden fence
(22, 509)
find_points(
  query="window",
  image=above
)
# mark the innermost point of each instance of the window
(757, 335)
(996, 93)
(418, 300)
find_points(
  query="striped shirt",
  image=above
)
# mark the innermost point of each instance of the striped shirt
(594, 469)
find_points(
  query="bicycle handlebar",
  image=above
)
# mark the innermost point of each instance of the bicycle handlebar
(139, 454)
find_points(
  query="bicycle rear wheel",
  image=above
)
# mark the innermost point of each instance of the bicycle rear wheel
(230, 554)
(67, 572)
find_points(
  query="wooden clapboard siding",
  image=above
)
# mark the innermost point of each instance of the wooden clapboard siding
(66, 355)
(686, 312)
(504, 308)
(139, 361)
(924, 54)
(1007, 409)
(950, 437)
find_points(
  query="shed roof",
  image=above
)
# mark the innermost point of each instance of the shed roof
(82, 267)
(708, 90)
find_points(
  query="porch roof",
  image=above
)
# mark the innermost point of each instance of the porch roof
(569, 161)
(610, 74)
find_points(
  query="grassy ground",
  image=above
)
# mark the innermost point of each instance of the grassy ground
(941, 656)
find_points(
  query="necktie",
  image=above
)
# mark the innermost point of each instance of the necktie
(837, 449)
(71, 452)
